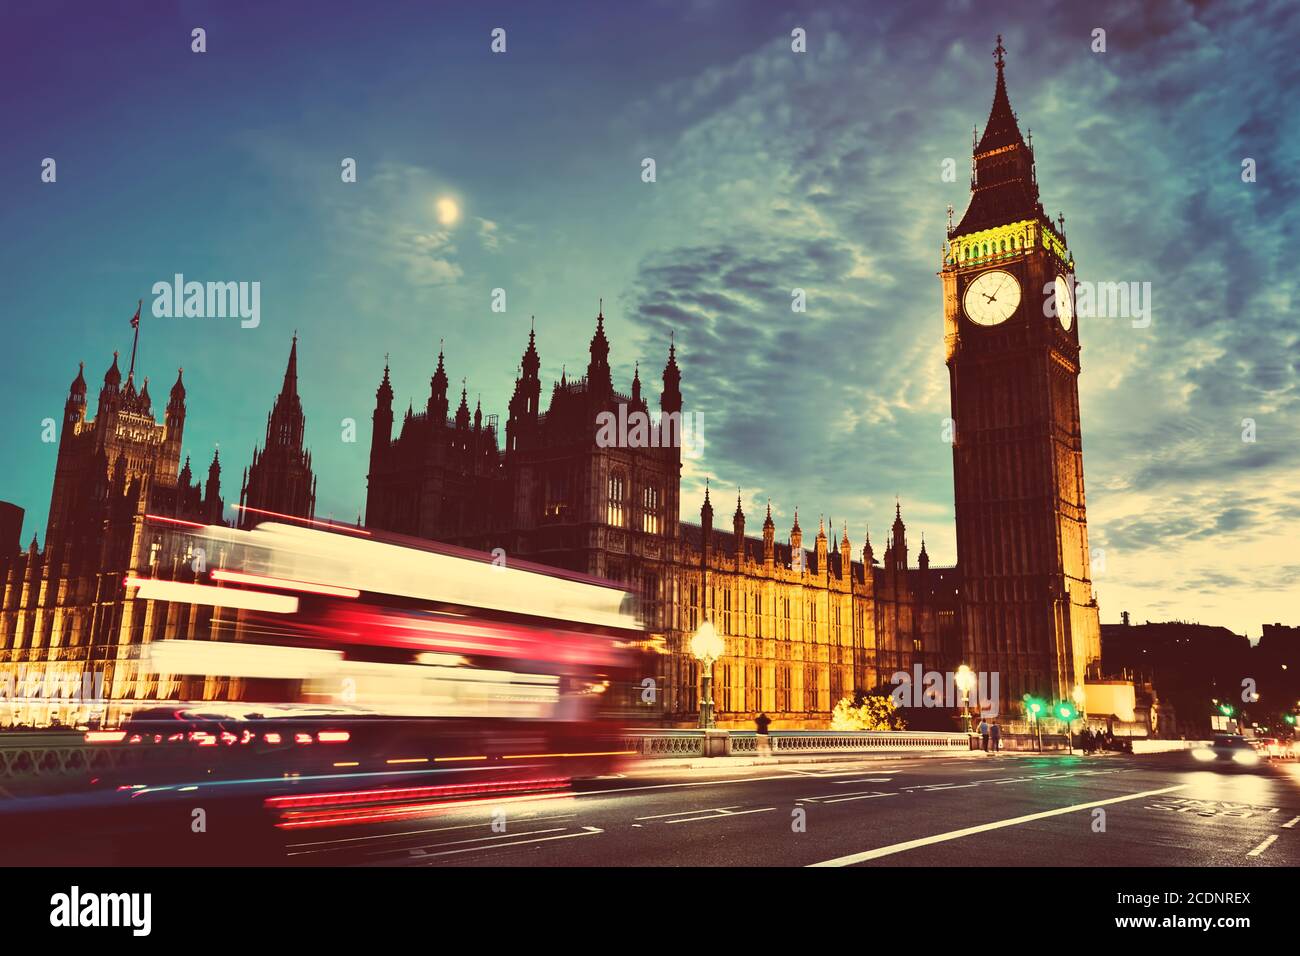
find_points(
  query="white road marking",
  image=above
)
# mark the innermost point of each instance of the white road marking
(865, 796)
(498, 846)
(424, 851)
(723, 816)
(837, 797)
(1268, 841)
(986, 827)
(1290, 823)
(681, 813)
(376, 837)
(865, 780)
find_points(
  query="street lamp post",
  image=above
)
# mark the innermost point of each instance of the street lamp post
(965, 679)
(707, 647)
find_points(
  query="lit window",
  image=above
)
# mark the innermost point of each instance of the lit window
(614, 509)
(650, 513)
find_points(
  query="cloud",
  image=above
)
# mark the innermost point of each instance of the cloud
(822, 172)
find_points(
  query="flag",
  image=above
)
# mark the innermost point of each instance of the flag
(135, 319)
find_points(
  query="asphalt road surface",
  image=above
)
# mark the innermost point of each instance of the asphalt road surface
(976, 810)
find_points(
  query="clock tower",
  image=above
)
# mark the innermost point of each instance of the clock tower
(1012, 347)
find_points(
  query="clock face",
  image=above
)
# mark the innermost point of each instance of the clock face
(991, 297)
(1064, 303)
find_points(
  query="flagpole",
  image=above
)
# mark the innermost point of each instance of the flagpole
(135, 324)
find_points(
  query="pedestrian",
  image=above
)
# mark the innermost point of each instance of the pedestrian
(984, 734)
(995, 736)
(763, 743)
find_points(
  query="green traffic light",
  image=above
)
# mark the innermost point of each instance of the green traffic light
(1065, 711)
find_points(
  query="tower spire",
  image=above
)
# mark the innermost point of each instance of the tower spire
(290, 386)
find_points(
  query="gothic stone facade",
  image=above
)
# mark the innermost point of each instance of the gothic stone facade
(71, 631)
(1013, 357)
(803, 627)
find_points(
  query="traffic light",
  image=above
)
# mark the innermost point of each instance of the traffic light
(1065, 710)
(1290, 719)
(1225, 710)
(1034, 707)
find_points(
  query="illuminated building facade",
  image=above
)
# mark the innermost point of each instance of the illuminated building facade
(123, 505)
(70, 629)
(803, 627)
(1013, 358)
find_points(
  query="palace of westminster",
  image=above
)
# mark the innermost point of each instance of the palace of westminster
(806, 622)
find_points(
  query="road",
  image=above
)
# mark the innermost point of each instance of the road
(975, 810)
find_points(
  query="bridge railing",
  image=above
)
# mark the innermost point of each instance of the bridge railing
(52, 760)
(702, 743)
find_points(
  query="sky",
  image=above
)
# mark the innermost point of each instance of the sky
(775, 170)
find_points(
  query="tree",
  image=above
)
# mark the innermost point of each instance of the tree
(867, 712)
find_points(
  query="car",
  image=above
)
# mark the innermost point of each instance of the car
(1231, 751)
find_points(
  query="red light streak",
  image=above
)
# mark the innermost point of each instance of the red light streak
(332, 526)
(188, 524)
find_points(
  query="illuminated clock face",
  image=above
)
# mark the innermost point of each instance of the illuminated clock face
(1064, 303)
(992, 297)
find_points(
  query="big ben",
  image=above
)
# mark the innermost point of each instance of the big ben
(1012, 344)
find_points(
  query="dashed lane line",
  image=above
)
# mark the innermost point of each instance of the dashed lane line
(878, 852)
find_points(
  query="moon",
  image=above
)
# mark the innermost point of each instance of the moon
(447, 210)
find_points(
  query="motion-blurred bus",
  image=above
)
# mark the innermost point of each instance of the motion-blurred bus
(364, 653)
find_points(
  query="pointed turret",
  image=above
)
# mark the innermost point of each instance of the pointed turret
(78, 386)
(738, 526)
(1002, 130)
(212, 502)
(462, 412)
(280, 478)
(1003, 185)
(74, 410)
(381, 432)
(769, 536)
(438, 402)
(113, 377)
(186, 477)
(898, 538)
(823, 549)
(796, 543)
(706, 524)
(176, 397)
(290, 386)
(599, 380)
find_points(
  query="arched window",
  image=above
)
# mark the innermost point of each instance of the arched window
(614, 511)
(986, 248)
(1004, 245)
(650, 511)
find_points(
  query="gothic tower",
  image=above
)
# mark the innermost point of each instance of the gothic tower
(280, 478)
(1013, 359)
